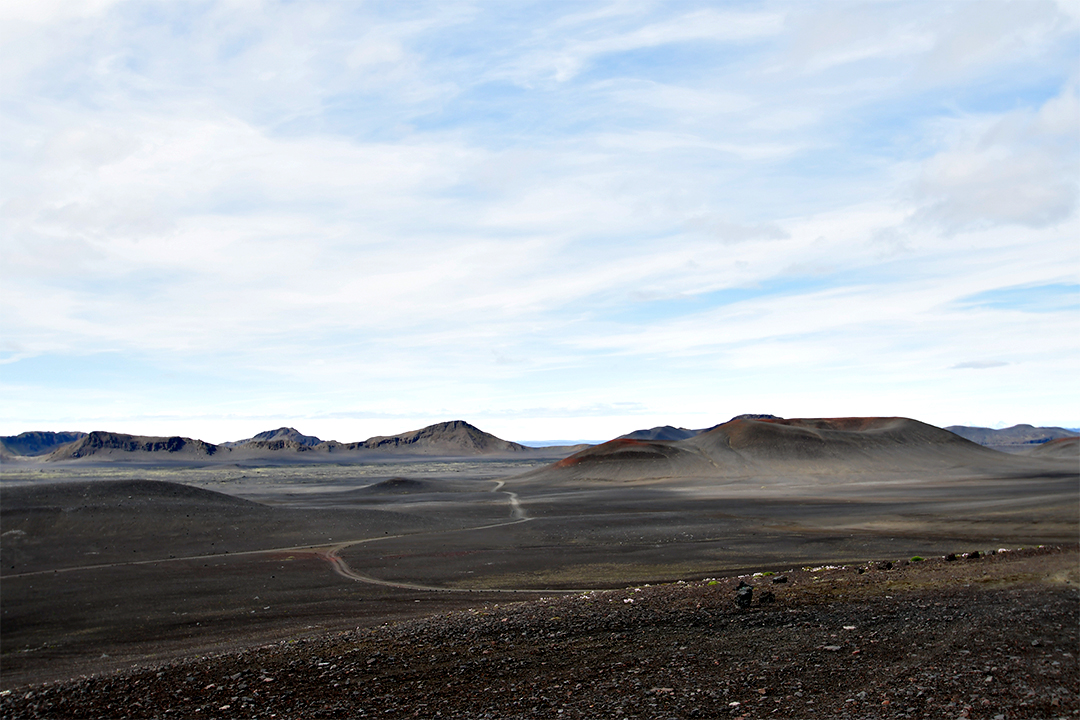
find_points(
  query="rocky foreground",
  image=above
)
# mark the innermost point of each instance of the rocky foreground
(987, 635)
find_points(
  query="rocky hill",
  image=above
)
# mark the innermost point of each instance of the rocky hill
(455, 438)
(282, 434)
(773, 445)
(103, 445)
(32, 444)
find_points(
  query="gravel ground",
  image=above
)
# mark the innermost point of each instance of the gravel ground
(993, 636)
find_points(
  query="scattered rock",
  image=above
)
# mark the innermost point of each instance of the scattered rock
(766, 597)
(779, 579)
(744, 596)
(971, 640)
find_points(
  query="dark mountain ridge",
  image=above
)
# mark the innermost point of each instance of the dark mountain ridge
(455, 438)
(37, 442)
(99, 443)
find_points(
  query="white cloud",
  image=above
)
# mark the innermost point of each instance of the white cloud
(50, 11)
(979, 365)
(284, 211)
(1018, 168)
(703, 25)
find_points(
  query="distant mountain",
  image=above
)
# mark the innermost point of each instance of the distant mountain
(107, 445)
(286, 434)
(37, 443)
(455, 437)
(663, 432)
(667, 432)
(774, 447)
(1014, 439)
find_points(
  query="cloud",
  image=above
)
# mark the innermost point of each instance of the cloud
(635, 209)
(978, 365)
(701, 26)
(1020, 168)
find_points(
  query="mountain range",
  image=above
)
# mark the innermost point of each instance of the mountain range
(455, 438)
(803, 448)
(1013, 439)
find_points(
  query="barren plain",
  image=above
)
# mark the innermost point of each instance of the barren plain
(119, 571)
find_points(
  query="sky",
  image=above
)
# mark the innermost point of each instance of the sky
(555, 220)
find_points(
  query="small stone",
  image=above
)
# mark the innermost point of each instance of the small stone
(779, 579)
(950, 557)
(831, 648)
(744, 596)
(766, 598)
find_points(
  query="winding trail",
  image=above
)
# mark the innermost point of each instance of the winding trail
(330, 553)
(518, 515)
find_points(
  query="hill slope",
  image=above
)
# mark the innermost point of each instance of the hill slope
(777, 446)
(1065, 448)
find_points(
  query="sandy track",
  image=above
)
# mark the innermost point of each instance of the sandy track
(517, 512)
(330, 553)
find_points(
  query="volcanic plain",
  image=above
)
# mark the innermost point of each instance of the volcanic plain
(111, 569)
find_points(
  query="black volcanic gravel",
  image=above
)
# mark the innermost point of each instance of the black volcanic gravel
(982, 637)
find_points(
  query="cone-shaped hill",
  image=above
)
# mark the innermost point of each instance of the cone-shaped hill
(779, 447)
(455, 437)
(277, 439)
